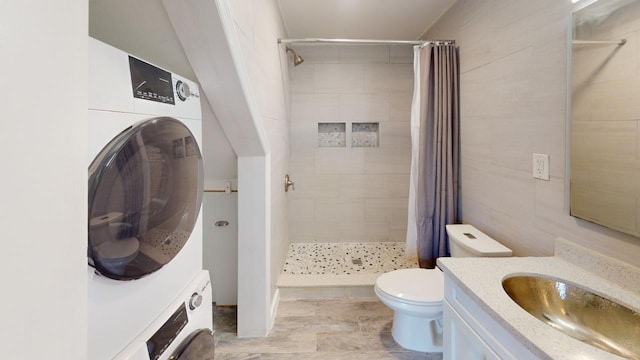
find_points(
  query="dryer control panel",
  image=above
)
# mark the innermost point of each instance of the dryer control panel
(162, 338)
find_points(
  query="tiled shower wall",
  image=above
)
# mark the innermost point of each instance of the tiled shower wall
(350, 194)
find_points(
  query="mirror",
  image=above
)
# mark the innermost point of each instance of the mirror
(605, 114)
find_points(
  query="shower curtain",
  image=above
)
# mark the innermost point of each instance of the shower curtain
(433, 191)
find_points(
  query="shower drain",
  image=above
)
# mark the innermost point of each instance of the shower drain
(357, 261)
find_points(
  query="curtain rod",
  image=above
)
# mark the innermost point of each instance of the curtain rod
(367, 41)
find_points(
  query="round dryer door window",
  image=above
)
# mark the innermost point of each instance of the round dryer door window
(145, 192)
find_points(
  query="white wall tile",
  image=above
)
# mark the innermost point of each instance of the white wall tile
(363, 232)
(339, 78)
(388, 77)
(400, 106)
(549, 135)
(302, 162)
(398, 231)
(364, 54)
(364, 107)
(475, 138)
(302, 79)
(549, 95)
(395, 135)
(510, 147)
(317, 54)
(523, 77)
(312, 231)
(364, 187)
(315, 108)
(315, 187)
(388, 160)
(339, 161)
(391, 210)
(398, 186)
(339, 95)
(304, 136)
(302, 209)
(340, 210)
(401, 54)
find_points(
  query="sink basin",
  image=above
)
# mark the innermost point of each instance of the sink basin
(579, 313)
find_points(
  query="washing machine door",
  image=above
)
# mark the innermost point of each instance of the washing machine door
(198, 346)
(145, 192)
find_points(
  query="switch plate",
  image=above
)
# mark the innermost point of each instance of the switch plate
(541, 166)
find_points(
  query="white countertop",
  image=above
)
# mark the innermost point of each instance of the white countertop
(482, 279)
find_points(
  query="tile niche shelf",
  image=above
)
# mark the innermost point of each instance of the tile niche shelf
(332, 135)
(365, 135)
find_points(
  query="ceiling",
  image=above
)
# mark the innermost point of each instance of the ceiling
(361, 19)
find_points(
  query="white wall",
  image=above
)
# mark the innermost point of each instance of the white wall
(258, 26)
(220, 245)
(513, 103)
(208, 34)
(140, 28)
(219, 159)
(44, 180)
(351, 194)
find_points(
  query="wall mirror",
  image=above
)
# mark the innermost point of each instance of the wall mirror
(605, 114)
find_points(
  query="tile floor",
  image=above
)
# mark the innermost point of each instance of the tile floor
(333, 329)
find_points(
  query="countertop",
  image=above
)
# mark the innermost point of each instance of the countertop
(481, 279)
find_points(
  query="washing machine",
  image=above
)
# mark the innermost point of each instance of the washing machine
(145, 194)
(183, 330)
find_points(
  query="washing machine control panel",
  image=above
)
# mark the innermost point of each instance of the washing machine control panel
(183, 91)
(195, 301)
(149, 82)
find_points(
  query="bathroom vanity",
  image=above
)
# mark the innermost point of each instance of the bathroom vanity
(481, 321)
(472, 333)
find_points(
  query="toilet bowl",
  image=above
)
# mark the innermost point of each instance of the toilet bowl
(115, 255)
(416, 295)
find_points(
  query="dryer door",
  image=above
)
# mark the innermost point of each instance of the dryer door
(145, 192)
(198, 346)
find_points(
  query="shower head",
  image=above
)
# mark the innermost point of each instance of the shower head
(297, 59)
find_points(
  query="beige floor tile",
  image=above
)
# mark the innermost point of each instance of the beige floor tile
(321, 329)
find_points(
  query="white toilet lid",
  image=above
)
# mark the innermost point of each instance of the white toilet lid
(420, 285)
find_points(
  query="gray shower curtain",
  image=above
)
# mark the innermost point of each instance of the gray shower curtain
(438, 151)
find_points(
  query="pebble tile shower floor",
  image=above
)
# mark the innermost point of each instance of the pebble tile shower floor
(346, 258)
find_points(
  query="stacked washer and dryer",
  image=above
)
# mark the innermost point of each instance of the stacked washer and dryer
(148, 297)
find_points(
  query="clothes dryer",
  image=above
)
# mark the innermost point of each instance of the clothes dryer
(145, 193)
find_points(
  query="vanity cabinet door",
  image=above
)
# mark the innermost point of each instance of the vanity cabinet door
(461, 341)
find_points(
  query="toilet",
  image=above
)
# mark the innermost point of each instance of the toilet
(416, 295)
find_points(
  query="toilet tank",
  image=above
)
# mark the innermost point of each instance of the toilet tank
(467, 241)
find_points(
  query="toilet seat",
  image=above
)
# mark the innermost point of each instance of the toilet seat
(413, 286)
